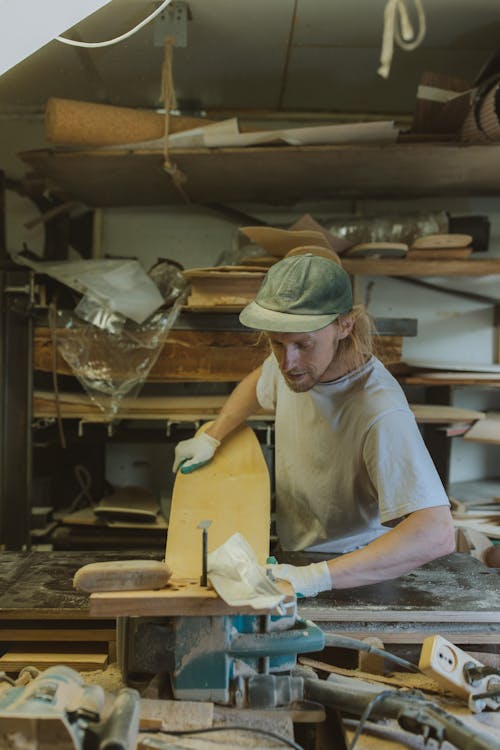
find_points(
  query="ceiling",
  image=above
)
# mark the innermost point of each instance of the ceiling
(292, 56)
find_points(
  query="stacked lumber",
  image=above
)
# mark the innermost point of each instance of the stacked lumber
(82, 645)
(476, 506)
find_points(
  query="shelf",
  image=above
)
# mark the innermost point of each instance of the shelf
(190, 355)
(283, 174)
(481, 379)
(192, 408)
(406, 267)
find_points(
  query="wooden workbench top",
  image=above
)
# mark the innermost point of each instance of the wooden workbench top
(456, 588)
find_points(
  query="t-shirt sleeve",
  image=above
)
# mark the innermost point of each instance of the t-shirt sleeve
(400, 467)
(267, 383)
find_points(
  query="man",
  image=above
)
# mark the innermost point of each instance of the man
(350, 460)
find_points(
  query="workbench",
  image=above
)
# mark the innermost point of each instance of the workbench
(455, 596)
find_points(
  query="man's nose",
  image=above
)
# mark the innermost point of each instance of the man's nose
(289, 358)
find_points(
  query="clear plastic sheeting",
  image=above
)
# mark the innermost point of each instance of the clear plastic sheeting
(357, 229)
(113, 289)
(111, 365)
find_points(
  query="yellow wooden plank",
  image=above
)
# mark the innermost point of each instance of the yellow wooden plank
(233, 492)
(13, 661)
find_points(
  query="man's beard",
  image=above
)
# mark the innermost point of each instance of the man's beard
(302, 385)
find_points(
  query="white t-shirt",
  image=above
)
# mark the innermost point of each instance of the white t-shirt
(349, 457)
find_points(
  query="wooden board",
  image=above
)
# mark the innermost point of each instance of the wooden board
(192, 408)
(182, 596)
(451, 378)
(206, 356)
(440, 365)
(442, 414)
(13, 661)
(442, 240)
(233, 491)
(455, 253)
(178, 408)
(272, 174)
(486, 431)
(408, 267)
(129, 504)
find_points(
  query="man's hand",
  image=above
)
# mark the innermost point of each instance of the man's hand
(193, 453)
(307, 580)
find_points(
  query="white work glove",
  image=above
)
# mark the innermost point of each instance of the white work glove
(195, 452)
(307, 580)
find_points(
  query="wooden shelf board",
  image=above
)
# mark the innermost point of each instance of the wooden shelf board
(451, 379)
(406, 267)
(192, 408)
(270, 174)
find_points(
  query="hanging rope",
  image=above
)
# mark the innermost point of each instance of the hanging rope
(170, 102)
(400, 30)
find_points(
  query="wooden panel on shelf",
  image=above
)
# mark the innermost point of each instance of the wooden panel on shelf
(272, 174)
(179, 408)
(486, 431)
(199, 356)
(451, 379)
(408, 267)
(194, 408)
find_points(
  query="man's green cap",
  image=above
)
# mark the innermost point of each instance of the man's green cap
(299, 294)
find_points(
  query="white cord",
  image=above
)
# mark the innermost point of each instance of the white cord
(127, 34)
(403, 34)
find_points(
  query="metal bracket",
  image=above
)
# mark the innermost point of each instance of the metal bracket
(172, 22)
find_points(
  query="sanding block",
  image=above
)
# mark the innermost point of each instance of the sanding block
(122, 575)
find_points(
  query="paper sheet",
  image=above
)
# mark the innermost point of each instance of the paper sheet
(234, 572)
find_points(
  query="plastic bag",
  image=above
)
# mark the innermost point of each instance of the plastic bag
(111, 365)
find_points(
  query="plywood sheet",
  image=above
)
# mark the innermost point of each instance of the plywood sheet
(233, 492)
(486, 431)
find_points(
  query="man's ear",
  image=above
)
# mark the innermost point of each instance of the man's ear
(345, 323)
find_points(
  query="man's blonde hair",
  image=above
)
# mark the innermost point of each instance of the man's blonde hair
(358, 345)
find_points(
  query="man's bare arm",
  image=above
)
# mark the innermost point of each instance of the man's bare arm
(423, 536)
(240, 405)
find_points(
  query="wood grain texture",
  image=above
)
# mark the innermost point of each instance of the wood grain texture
(182, 596)
(186, 356)
(270, 174)
(233, 492)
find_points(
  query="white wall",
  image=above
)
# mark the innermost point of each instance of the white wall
(450, 327)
